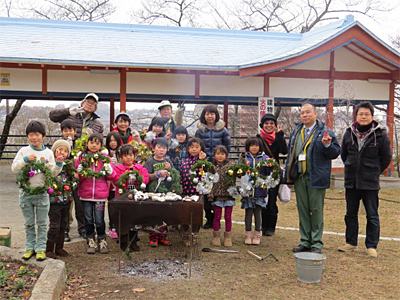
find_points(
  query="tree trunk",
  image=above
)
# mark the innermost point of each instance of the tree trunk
(7, 125)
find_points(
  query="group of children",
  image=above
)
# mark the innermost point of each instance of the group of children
(94, 191)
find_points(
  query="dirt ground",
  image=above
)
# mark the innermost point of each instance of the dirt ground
(240, 276)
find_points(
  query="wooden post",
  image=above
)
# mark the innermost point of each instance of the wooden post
(329, 108)
(197, 85)
(44, 80)
(122, 103)
(226, 113)
(112, 100)
(266, 86)
(390, 120)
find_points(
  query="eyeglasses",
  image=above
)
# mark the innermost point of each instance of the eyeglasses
(362, 114)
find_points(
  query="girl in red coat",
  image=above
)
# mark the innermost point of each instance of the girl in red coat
(127, 154)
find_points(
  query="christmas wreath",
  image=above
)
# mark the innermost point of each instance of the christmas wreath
(164, 185)
(57, 188)
(272, 180)
(133, 175)
(80, 145)
(93, 158)
(247, 177)
(143, 153)
(203, 176)
(30, 170)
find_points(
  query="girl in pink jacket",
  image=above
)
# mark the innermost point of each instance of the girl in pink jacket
(127, 154)
(93, 191)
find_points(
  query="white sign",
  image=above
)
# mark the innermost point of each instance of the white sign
(265, 106)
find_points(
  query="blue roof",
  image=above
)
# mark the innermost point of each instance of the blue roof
(127, 45)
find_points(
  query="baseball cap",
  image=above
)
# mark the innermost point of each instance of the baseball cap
(92, 95)
(164, 103)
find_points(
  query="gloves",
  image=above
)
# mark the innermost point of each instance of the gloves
(80, 168)
(75, 110)
(108, 168)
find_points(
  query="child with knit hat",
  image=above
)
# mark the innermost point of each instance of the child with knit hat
(60, 201)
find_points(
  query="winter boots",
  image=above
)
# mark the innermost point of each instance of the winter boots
(257, 238)
(50, 249)
(248, 236)
(60, 247)
(228, 239)
(216, 241)
(91, 246)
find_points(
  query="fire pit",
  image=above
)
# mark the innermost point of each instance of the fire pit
(157, 270)
(125, 213)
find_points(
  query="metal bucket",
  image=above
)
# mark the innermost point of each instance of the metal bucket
(309, 266)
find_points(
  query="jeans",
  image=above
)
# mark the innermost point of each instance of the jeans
(94, 215)
(371, 202)
(35, 207)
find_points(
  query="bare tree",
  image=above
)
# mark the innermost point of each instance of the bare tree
(176, 12)
(74, 10)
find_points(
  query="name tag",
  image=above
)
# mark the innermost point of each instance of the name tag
(302, 157)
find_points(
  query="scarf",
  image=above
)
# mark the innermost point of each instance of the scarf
(269, 137)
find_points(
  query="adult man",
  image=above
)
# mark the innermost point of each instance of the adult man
(366, 153)
(86, 121)
(84, 116)
(312, 146)
(171, 123)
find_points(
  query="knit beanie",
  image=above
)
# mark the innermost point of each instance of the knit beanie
(59, 143)
(267, 117)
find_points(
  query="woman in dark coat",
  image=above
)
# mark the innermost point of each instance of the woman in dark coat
(273, 144)
(211, 129)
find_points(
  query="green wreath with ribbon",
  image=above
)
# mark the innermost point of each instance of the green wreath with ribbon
(270, 163)
(80, 145)
(90, 159)
(199, 169)
(121, 183)
(166, 186)
(58, 188)
(30, 170)
(239, 170)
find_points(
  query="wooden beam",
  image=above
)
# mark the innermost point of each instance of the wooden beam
(354, 33)
(122, 103)
(366, 58)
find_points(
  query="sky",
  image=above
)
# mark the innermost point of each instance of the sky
(384, 25)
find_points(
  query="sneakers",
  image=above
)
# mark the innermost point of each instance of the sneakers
(164, 242)
(153, 243)
(372, 252)
(91, 246)
(66, 237)
(28, 254)
(103, 246)
(113, 233)
(40, 255)
(347, 248)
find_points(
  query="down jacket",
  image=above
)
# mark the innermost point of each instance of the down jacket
(92, 189)
(121, 169)
(59, 115)
(218, 135)
(362, 167)
(320, 156)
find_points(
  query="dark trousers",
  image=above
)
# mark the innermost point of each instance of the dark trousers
(208, 210)
(79, 215)
(58, 217)
(270, 213)
(94, 218)
(371, 203)
(111, 195)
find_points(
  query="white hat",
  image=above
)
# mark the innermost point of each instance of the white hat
(59, 143)
(164, 103)
(92, 95)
